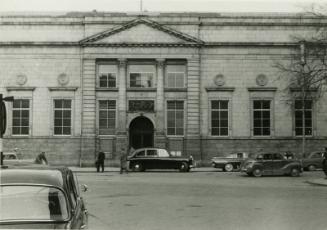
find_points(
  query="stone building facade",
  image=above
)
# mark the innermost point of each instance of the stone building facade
(198, 84)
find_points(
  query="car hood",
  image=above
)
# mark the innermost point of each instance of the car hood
(33, 226)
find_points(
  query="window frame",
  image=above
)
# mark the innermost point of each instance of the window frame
(98, 115)
(98, 64)
(174, 72)
(154, 74)
(184, 120)
(312, 118)
(271, 116)
(71, 116)
(228, 117)
(29, 117)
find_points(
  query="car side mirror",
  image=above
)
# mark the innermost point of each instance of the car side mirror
(84, 187)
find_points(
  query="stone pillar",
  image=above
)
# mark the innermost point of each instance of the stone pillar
(121, 134)
(121, 127)
(160, 139)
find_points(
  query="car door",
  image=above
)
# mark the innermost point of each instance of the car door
(267, 163)
(77, 220)
(152, 161)
(279, 163)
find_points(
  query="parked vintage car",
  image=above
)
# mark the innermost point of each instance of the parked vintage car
(271, 164)
(313, 161)
(230, 162)
(156, 158)
(40, 197)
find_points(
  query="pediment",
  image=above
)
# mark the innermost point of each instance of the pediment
(141, 32)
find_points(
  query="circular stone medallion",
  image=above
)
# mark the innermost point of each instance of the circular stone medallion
(21, 79)
(261, 80)
(219, 80)
(63, 79)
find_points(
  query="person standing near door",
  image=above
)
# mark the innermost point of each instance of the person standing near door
(100, 161)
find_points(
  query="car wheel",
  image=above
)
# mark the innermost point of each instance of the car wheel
(138, 167)
(228, 167)
(257, 172)
(311, 168)
(295, 172)
(183, 167)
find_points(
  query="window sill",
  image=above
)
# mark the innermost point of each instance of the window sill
(175, 89)
(113, 89)
(140, 89)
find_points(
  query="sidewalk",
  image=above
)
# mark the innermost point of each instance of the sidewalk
(319, 182)
(116, 169)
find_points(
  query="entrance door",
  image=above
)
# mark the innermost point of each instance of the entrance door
(141, 133)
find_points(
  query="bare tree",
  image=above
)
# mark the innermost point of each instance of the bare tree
(305, 74)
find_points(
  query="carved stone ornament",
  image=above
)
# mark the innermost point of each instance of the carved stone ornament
(63, 79)
(219, 80)
(261, 80)
(21, 79)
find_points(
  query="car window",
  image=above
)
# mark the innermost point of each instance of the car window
(267, 157)
(163, 153)
(259, 157)
(278, 156)
(71, 187)
(239, 155)
(33, 203)
(316, 155)
(151, 153)
(140, 154)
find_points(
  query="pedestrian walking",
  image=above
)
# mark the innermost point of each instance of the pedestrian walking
(324, 162)
(41, 159)
(100, 161)
(123, 162)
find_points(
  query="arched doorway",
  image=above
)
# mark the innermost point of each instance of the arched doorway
(141, 133)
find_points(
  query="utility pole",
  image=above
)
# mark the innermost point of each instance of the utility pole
(303, 62)
(3, 122)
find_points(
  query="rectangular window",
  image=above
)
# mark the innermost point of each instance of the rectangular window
(175, 118)
(107, 117)
(62, 116)
(21, 117)
(261, 117)
(307, 117)
(175, 75)
(219, 118)
(141, 76)
(107, 75)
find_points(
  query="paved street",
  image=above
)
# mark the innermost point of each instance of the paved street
(203, 200)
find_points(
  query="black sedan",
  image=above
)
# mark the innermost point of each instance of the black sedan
(155, 158)
(40, 197)
(271, 164)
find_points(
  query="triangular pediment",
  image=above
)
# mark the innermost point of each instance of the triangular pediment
(141, 32)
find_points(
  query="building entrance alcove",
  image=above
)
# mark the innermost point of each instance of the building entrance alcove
(141, 133)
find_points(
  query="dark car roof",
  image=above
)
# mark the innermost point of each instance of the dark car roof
(52, 176)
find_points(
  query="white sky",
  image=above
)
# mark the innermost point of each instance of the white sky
(158, 5)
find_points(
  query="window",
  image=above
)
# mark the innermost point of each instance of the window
(62, 116)
(20, 117)
(107, 117)
(151, 152)
(219, 118)
(107, 75)
(140, 154)
(307, 117)
(261, 117)
(175, 118)
(141, 76)
(175, 75)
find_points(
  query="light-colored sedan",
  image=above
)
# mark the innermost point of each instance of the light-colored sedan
(230, 162)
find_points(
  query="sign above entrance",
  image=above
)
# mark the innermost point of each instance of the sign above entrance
(141, 106)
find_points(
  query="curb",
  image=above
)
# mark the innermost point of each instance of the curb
(318, 182)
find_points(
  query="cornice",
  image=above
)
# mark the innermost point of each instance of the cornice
(20, 88)
(220, 89)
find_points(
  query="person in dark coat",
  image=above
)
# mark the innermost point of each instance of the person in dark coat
(100, 161)
(41, 159)
(324, 162)
(123, 162)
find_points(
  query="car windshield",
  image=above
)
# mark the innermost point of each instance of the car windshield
(26, 203)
